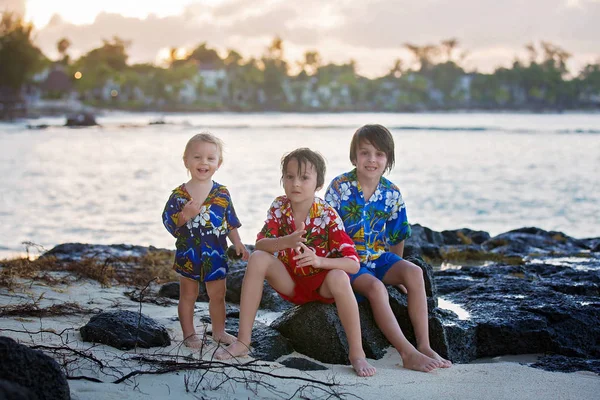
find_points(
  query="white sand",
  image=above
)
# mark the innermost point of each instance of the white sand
(501, 378)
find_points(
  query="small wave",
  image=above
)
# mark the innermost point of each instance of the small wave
(346, 126)
(585, 131)
(430, 128)
(349, 126)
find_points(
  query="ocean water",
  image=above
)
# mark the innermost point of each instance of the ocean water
(108, 184)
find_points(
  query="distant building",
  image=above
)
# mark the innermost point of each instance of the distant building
(57, 84)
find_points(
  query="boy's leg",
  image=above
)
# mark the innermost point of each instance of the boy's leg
(188, 293)
(337, 286)
(216, 307)
(375, 291)
(411, 276)
(261, 266)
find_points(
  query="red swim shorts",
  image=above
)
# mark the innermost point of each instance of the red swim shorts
(306, 289)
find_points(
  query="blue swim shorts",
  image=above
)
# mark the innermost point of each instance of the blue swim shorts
(381, 266)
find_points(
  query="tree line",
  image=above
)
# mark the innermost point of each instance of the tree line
(434, 79)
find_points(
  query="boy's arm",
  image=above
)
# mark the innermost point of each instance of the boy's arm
(308, 257)
(398, 248)
(240, 248)
(277, 244)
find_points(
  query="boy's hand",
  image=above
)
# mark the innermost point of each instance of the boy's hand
(241, 250)
(295, 239)
(307, 257)
(191, 209)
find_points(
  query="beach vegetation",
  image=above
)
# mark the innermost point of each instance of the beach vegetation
(134, 271)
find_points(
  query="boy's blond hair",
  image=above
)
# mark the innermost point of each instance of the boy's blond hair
(205, 137)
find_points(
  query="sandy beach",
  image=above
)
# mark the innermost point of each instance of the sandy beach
(507, 377)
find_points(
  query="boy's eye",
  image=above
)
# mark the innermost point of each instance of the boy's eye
(305, 177)
(380, 154)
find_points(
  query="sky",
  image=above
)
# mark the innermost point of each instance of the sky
(371, 32)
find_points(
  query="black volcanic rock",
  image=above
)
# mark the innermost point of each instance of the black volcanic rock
(27, 373)
(125, 330)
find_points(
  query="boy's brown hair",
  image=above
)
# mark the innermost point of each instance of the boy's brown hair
(380, 137)
(306, 156)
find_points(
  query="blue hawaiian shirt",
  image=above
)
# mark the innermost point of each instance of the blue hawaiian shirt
(372, 224)
(202, 241)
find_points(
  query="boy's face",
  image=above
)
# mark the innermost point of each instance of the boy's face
(300, 186)
(202, 160)
(370, 162)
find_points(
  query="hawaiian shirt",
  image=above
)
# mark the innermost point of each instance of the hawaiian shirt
(324, 233)
(371, 224)
(202, 241)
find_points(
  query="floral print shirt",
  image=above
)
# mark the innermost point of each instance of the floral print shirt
(374, 223)
(324, 233)
(202, 241)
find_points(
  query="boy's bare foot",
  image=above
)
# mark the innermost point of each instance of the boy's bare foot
(224, 338)
(430, 353)
(236, 349)
(362, 367)
(193, 341)
(418, 361)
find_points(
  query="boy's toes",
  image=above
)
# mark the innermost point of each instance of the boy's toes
(362, 367)
(194, 341)
(236, 349)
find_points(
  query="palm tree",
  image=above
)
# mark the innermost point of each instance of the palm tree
(397, 70)
(449, 45)
(424, 55)
(311, 63)
(63, 46)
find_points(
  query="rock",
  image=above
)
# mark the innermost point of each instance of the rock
(38, 374)
(303, 364)
(464, 236)
(232, 255)
(170, 290)
(524, 309)
(81, 119)
(315, 330)
(125, 330)
(268, 344)
(13, 391)
(567, 364)
(100, 252)
(452, 338)
(534, 242)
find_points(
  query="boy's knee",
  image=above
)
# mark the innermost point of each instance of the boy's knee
(413, 274)
(415, 270)
(216, 290)
(337, 278)
(376, 289)
(218, 296)
(259, 259)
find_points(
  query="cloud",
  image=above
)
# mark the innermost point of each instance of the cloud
(373, 33)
